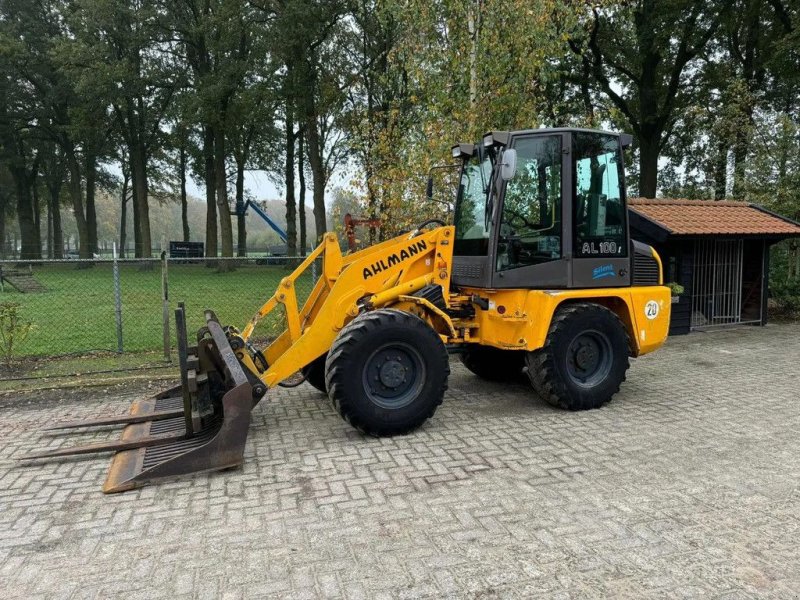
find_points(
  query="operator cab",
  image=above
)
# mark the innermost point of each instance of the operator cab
(542, 208)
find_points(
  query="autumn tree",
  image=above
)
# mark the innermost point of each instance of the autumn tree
(644, 57)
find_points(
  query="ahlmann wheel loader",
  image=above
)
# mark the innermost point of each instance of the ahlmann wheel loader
(536, 277)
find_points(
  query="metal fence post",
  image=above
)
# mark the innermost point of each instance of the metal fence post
(165, 304)
(117, 298)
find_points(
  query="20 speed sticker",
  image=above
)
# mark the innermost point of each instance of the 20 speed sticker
(651, 309)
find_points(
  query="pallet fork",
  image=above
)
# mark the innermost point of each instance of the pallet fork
(194, 427)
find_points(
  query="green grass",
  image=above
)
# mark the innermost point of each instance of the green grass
(76, 313)
(41, 373)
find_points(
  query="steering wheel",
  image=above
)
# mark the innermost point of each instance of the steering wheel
(509, 243)
(424, 224)
(518, 221)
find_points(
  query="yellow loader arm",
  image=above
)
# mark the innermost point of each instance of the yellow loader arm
(375, 277)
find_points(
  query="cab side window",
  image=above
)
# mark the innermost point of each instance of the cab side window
(471, 219)
(530, 223)
(599, 210)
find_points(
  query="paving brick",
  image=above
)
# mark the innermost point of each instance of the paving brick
(685, 485)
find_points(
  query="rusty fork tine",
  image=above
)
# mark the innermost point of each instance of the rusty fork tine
(120, 420)
(114, 446)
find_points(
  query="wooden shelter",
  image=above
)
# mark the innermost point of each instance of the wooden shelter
(718, 251)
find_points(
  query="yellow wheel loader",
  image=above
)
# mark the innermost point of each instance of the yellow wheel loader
(536, 277)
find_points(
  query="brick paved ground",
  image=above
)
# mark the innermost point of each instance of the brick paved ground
(686, 485)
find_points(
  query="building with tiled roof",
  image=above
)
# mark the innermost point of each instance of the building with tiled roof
(718, 251)
(709, 217)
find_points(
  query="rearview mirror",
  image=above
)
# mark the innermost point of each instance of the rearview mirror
(429, 189)
(509, 165)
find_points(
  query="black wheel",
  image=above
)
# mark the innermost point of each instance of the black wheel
(584, 358)
(494, 364)
(314, 372)
(387, 372)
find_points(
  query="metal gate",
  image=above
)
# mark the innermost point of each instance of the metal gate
(717, 284)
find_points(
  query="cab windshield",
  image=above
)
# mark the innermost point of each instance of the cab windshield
(471, 219)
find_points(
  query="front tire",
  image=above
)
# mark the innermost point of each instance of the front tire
(584, 358)
(387, 372)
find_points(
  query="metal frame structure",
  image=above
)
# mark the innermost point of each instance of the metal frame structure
(717, 284)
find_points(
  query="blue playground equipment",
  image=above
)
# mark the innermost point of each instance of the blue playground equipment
(241, 209)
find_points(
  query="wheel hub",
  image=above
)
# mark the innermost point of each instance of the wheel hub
(589, 358)
(392, 373)
(586, 356)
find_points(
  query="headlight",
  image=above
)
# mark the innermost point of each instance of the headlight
(463, 151)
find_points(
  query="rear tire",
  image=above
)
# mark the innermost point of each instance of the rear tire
(387, 372)
(493, 364)
(314, 372)
(584, 358)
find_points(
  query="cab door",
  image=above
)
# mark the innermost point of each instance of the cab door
(529, 250)
(600, 248)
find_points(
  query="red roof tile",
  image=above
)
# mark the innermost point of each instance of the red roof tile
(709, 217)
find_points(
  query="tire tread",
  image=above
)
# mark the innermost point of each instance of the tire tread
(347, 344)
(541, 363)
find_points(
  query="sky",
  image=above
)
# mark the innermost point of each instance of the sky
(255, 182)
(260, 187)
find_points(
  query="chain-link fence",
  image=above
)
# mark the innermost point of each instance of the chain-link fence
(77, 307)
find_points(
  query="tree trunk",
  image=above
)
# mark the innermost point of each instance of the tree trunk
(144, 246)
(473, 28)
(648, 166)
(123, 215)
(225, 222)
(291, 205)
(370, 155)
(37, 216)
(135, 215)
(27, 225)
(318, 177)
(184, 203)
(740, 150)
(58, 229)
(137, 232)
(55, 233)
(49, 241)
(22, 180)
(793, 271)
(241, 225)
(211, 190)
(721, 171)
(91, 213)
(77, 200)
(372, 197)
(2, 231)
(301, 173)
